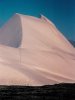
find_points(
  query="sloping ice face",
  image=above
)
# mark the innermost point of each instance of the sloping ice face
(34, 52)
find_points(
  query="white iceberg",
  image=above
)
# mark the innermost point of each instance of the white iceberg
(34, 52)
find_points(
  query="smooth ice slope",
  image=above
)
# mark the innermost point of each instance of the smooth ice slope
(34, 52)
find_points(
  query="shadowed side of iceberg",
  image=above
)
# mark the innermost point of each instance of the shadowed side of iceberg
(11, 32)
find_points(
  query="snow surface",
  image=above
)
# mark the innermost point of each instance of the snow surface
(34, 52)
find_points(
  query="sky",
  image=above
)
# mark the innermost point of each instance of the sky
(60, 12)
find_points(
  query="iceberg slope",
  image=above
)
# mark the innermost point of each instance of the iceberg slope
(34, 52)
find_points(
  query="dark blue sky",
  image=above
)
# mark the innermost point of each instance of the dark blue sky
(61, 12)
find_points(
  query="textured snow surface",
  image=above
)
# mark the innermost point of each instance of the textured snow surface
(34, 52)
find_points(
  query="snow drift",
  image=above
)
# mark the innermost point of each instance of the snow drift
(34, 52)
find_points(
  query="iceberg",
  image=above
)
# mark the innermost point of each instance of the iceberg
(34, 52)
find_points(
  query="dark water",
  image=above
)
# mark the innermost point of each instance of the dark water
(49, 92)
